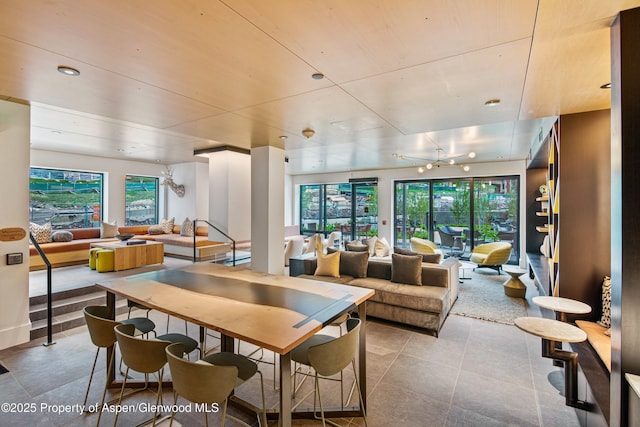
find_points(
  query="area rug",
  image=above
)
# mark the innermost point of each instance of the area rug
(482, 297)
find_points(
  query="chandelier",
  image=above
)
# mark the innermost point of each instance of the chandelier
(439, 161)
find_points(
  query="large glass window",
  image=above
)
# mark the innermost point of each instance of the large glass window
(311, 205)
(496, 211)
(67, 199)
(330, 207)
(141, 204)
(458, 214)
(412, 212)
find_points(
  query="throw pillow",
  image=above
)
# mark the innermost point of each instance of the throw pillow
(187, 228)
(155, 229)
(401, 251)
(382, 247)
(430, 258)
(61, 236)
(354, 264)
(371, 244)
(328, 265)
(108, 230)
(605, 320)
(356, 246)
(167, 225)
(41, 233)
(406, 269)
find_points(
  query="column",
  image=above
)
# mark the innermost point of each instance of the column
(625, 208)
(267, 209)
(14, 173)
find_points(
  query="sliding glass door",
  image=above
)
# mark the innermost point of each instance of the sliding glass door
(496, 217)
(365, 214)
(451, 216)
(458, 214)
(412, 211)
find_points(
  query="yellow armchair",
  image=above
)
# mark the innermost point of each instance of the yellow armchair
(491, 255)
(424, 246)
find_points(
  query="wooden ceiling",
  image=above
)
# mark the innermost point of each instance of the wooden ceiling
(160, 79)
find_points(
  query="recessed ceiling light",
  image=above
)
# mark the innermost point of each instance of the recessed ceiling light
(471, 155)
(69, 71)
(492, 102)
(283, 137)
(317, 76)
(606, 86)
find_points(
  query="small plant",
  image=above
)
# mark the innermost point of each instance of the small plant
(488, 233)
(330, 227)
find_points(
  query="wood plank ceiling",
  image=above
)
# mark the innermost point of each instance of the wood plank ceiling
(162, 78)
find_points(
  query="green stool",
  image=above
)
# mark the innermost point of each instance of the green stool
(104, 260)
(92, 257)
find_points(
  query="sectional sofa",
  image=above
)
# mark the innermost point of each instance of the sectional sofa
(425, 306)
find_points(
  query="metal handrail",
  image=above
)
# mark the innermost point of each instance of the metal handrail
(195, 228)
(49, 291)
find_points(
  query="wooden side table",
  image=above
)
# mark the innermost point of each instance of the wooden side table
(514, 286)
(552, 332)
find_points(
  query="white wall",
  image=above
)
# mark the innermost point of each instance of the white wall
(14, 175)
(386, 178)
(195, 202)
(230, 194)
(115, 172)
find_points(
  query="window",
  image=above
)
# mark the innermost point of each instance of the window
(330, 207)
(141, 203)
(458, 214)
(67, 199)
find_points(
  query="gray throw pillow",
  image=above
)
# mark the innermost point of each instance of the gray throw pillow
(155, 230)
(61, 236)
(431, 258)
(406, 269)
(356, 246)
(352, 263)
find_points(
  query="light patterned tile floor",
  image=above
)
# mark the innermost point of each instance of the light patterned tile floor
(476, 373)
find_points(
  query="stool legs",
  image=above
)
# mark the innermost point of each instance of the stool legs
(570, 360)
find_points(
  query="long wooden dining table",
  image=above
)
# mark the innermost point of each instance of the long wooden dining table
(274, 312)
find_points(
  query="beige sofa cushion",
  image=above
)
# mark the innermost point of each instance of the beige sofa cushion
(423, 298)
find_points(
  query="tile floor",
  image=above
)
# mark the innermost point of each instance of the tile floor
(476, 373)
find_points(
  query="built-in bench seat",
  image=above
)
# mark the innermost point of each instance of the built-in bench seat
(76, 251)
(600, 342)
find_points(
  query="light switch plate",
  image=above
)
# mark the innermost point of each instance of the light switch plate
(15, 258)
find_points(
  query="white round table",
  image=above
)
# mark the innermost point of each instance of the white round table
(562, 306)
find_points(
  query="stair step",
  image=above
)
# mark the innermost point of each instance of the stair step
(65, 320)
(67, 305)
(69, 293)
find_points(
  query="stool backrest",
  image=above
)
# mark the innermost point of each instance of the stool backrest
(332, 357)
(145, 356)
(200, 382)
(100, 326)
